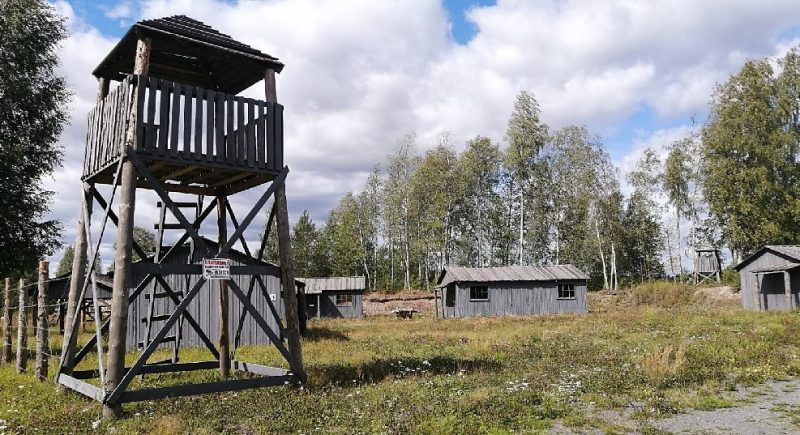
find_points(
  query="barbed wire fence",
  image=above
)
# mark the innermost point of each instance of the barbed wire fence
(32, 319)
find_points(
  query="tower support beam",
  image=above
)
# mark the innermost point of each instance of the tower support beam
(123, 258)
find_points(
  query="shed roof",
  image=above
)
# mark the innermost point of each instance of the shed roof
(335, 283)
(58, 287)
(789, 252)
(189, 51)
(782, 267)
(510, 274)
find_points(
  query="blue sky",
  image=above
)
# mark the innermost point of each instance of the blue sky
(360, 75)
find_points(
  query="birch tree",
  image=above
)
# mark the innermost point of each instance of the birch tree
(526, 135)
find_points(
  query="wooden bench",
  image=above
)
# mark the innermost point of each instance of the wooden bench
(404, 313)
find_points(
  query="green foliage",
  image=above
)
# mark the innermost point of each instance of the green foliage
(65, 264)
(750, 155)
(304, 240)
(491, 375)
(732, 278)
(32, 116)
(345, 248)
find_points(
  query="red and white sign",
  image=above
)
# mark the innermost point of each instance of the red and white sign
(216, 268)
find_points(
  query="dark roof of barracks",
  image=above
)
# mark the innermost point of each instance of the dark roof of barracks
(188, 51)
(510, 274)
(788, 252)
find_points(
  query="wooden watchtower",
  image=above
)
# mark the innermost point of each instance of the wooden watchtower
(707, 264)
(174, 124)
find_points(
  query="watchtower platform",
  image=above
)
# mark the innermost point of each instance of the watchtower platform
(194, 140)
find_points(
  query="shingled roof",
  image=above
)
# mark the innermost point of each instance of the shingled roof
(561, 272)
(189, 51)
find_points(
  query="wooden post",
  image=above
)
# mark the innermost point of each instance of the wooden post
(270, 91)
(787, 289)
(287, 279)
(224, 343)
(79, 262)
(319, 306)
(436, 302)
(123, 276)
(6, 357)
(757, 293)
(22, 326)
(285, 248)
(42, 339)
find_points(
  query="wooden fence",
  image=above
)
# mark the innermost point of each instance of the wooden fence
(35, 324)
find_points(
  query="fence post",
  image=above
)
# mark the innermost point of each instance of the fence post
(6, 359)
(42, 339)
(22, 336)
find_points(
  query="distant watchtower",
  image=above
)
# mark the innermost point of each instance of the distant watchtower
(175, 125)
(707, 265)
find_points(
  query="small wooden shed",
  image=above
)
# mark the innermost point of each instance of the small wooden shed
(338, 296)
(770, 278)
(511, 290)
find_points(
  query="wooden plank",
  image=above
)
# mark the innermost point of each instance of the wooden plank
(279, 180)
(230, 136)
(241, 145)
(787, 289)
(198, 124)
(163, 128)
(205, 388)
(250, 135)
(151, 132)
(297, 369)
(210, 136)
(175, 120)
(278, 136)
(187, 121)
(258, 369)
(134, 370)
(271, 137)
(261, 127)
(220, 127)
(81, 387)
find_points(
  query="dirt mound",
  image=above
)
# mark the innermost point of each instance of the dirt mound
(664, 295)
(381, 304)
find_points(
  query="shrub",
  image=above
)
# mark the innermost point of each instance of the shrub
(662, 294)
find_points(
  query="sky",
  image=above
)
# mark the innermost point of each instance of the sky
(360, 75)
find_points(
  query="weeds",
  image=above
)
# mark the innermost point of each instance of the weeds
(492, 375)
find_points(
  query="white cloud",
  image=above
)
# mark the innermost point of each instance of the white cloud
(360, 75)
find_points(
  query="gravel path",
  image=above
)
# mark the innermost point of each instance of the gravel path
(767, 413)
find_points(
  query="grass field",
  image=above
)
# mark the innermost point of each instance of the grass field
(639, 355)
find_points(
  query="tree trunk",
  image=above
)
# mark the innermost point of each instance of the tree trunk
(602, 256)
(521, 224)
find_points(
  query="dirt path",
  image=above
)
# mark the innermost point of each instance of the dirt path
(770, 410)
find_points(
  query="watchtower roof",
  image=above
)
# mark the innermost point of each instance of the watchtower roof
(188, 51)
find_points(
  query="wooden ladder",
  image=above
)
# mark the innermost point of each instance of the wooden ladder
(154, 294)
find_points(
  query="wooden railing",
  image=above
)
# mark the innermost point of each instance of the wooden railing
(185, 124)
(108, 122)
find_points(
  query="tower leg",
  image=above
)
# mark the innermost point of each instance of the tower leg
(123, 277)
(287, 279)
(224, 343)
(78, 276)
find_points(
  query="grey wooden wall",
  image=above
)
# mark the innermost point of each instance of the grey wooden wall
(330, 309)
(205, 308)
(772, 295)
(515, 299)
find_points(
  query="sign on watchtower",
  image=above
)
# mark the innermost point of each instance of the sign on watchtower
(173, 123)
